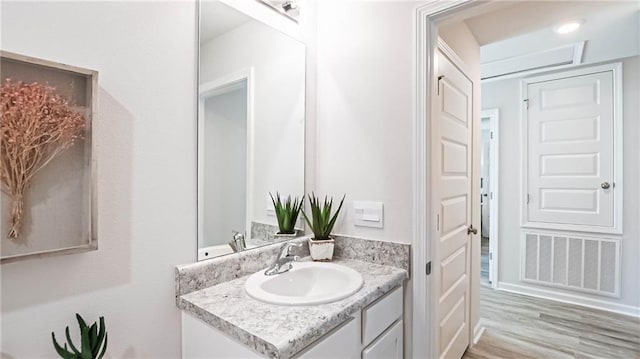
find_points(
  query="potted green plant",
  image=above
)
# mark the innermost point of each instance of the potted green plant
(93, 341)
(321, 223)
(287, 212)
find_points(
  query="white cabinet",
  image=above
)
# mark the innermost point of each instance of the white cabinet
(389, 345)
(374, 332)
(379, 315)
(342, 342)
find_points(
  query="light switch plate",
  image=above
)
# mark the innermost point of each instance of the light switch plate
(270, 210)
(368, 214)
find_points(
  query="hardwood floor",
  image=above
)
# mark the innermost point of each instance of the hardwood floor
(484, 260)
(524, 327)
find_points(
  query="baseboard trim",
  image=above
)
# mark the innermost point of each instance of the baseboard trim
(570, 299)
(478, 331)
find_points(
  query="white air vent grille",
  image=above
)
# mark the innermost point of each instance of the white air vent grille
(579, 263)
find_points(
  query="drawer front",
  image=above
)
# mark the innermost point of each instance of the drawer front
(388, 346)
(380, 315)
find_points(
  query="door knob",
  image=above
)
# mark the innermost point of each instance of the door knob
(472, 230)
(605, 185)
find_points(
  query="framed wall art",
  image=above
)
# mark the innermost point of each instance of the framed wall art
(47, 165)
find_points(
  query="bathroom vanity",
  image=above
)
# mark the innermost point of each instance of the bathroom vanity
(220, 320)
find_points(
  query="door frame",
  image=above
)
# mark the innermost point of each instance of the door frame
(424, 185)
(206, 90)
(616, 68)
(494, 198)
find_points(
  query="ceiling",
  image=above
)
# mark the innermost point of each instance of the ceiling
(516, 28)
(521, 17)
(217, 18)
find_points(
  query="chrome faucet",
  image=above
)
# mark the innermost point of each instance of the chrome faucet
(283, 261)
(238, 244)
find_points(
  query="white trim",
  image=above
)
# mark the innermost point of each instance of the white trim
(424, 212)
(451, 54)
(494, 192)
(616, 68)
(570, 299)
(577, 60)
(477, 332)
(213, 88)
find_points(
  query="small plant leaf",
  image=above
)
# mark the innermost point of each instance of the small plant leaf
(104, 347)
(63, 352)
(81, 322)
(93, 338)
(101, 336)
(70, 342)
(86, 344)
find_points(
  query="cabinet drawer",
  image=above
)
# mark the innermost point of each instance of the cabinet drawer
(388, 346)
(380, 315)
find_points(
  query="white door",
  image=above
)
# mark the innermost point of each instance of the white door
(451, 260)
(570, 133)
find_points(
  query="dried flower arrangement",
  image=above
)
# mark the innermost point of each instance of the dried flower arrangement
(36, 125)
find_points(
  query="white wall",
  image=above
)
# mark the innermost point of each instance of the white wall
(225, 166)
(365, 111)
(505, 95)
(145, 52)
(278, 125)
(365, 115)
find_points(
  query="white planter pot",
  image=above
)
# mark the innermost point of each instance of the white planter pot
(321, 250)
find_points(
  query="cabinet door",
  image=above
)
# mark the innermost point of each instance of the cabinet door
(388, 346)
(343, 342)
(202, 341)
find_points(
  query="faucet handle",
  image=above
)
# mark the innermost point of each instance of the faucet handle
(285, 249)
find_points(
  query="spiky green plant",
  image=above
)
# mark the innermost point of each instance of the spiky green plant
(321, 222)
(91, 340)
(286, 212)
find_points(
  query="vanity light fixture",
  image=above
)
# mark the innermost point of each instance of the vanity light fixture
(289, 5)
(568, 26)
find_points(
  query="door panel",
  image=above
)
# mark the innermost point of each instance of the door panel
(453, 114)
(571, 150)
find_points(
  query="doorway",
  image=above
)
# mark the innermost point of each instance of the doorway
(489, 201)
(523, 244)
(224, 133)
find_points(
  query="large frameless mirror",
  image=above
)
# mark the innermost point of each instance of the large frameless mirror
(251, 115)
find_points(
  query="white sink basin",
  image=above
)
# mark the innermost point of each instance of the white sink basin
(305, 284)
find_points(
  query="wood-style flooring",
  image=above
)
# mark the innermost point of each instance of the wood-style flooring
(524, 327)
(484, 260)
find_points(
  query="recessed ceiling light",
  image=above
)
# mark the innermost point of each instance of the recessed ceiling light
(568, 26)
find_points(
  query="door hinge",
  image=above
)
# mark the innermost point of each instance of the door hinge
(492, 135)
(528, 198)
(491, 195)
(526, 100)
(490, 256)
(439, 78)
(438, 222)
(428, 269)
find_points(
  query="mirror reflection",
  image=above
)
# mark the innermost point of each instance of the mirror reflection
(250, 129)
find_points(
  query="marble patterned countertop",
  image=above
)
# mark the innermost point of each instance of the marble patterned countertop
(282, 331)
